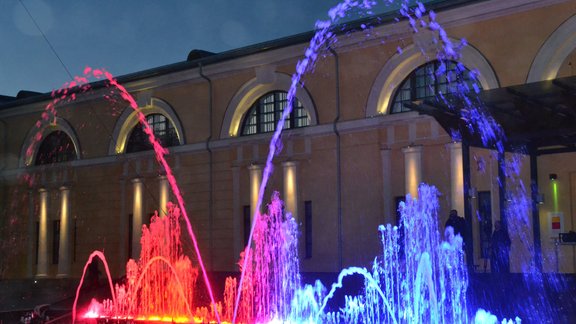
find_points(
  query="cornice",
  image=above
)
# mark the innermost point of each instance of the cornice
(461, 15)
(487, 10)
(359, 125)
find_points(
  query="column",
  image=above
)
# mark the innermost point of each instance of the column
(123, 239)
(64, 260)
(163, 195)
(385, 157)
(502, 193)
(456, 177)
(413, 169)
(535, 209)
(291, 189)
(31, 236)
(137, 216)
(42, 267)
(236, 211)
(255, 181)
(467, 184)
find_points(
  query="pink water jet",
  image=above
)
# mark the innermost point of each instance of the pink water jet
(160, 156)
(80, 85)
(101, 256)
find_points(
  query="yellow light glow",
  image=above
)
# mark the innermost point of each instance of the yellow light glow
(457, 177)
(43, 214)
(163, 184)
(137, 195)
(290, 189)
(413, 172)
(243, 106)
(64, 251)
(255, 181)
(400, 72)
(42, 270)
(255, 185)
(133, 120)
(412, 185)
(551, 75)
(137, 217)
(290, 181)
(64, 209)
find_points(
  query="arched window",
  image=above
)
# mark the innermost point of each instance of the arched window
(56, 147)
(264, 115)
(428, 81)
(163, 129)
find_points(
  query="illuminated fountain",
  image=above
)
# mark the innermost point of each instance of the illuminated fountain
(160, 285)
(427, 282)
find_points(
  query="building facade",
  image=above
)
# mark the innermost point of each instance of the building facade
(350, 154)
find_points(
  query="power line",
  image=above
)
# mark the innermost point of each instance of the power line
(108, 131)
(46, 39)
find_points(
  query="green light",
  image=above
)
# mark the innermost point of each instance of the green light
(555, 194)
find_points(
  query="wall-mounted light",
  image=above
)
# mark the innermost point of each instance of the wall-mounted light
(553, 176)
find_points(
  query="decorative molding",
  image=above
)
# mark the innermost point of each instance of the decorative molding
(129, 119)
(554, 52)
(60, 124)
(254, 89)
(286, 55)
(486, 10)
(399, 67)
(359, 125)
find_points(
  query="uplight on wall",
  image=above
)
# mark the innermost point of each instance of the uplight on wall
(553, 177)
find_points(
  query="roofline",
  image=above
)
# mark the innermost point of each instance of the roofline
(305, 37)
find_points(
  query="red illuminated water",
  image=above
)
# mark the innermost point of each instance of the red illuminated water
(80, 85)
(108, 276)
(161, 284)
(160, 156)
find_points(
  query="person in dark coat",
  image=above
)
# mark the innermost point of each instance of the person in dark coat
(457, 223)
(500, 256)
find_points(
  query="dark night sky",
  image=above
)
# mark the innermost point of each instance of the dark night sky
(133, 35)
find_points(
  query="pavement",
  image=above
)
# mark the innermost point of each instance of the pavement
(543, 298)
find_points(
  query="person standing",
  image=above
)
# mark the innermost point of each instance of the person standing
(457, 223)
(500, 256)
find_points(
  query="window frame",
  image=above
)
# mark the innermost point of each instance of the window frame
(263, 116)
(431, 81)
(49, 149)
(168, 139)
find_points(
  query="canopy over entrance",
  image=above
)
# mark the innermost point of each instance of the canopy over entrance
(540, 116)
